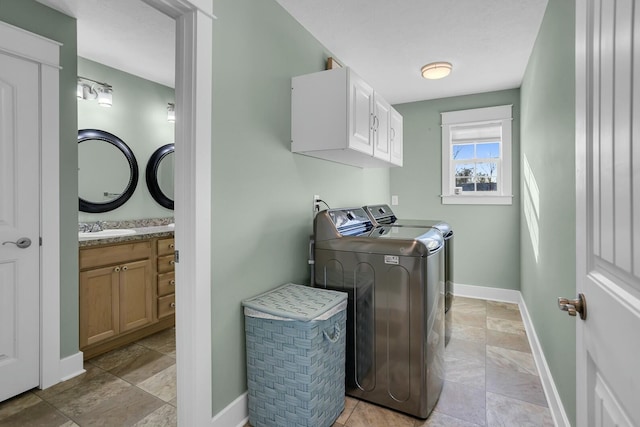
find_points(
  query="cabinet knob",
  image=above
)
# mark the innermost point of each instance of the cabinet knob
(125, 268)
(172, 282)
(172, 245)
(117, 269)
(172, 305)
(172, 262)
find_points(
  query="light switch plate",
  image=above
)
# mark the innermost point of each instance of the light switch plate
(394, 200)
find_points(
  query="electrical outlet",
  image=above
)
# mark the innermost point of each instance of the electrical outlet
(394, 200)
(316, 205)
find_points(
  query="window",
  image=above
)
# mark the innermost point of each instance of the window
(476, 156)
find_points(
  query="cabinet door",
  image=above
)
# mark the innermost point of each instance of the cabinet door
(99, 313)
(360, 115)
(381, 125)
(396, 137)
(136, 295)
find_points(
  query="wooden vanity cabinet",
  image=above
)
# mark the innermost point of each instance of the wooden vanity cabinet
(120, 286)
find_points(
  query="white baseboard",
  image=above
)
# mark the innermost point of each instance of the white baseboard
(483, 292)
(71, 366)
(551, 392)
(234, 414)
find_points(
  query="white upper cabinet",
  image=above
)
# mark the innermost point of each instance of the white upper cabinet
(337, 116)
(395, 137)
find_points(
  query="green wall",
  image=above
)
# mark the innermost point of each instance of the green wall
(39, 19)
(485, 255)
(548, 192)
(138, 117)
(262, 193)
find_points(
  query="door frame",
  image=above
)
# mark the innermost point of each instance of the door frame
(583, 125)
(194, 40)
(193, 88)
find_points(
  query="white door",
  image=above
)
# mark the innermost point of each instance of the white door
(19, 220)
(608, 211)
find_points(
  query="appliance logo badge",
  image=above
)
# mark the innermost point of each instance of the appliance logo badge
(392, 259)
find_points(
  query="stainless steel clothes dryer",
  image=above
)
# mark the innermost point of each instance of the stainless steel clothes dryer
(394, 278)
(383, 215)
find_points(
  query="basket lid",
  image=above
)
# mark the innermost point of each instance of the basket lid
(296, 302)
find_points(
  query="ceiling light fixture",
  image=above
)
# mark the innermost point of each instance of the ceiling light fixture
(89, 89)
(436, 70)
(171, 112)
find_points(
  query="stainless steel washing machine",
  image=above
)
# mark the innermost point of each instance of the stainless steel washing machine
(383, 215)
(394, 277)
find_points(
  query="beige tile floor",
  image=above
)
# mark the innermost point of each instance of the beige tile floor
(491, 380)
(132, 386)
(490, 376)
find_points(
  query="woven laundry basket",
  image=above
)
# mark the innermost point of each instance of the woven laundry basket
(295, 338)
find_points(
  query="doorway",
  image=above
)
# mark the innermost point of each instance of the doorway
(194, 20)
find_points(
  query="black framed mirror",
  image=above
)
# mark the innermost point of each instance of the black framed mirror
(107, 173)
(160, 175)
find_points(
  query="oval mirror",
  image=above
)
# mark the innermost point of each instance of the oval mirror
(107, 171)
(160, 175)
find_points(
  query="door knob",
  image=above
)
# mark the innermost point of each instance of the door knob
(22, 243)
(573, 306)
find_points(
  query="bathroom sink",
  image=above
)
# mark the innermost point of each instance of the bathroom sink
(114, 232)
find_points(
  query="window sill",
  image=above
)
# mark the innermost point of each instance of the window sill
(476, 200)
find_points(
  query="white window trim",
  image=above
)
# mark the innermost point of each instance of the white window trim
(504, 196)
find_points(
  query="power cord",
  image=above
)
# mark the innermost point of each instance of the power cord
(325, 203)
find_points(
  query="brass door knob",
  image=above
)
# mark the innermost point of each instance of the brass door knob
(574, 306)
(117, 269)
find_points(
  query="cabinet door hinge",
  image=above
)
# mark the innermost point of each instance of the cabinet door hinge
(40, 240)
(176, 256)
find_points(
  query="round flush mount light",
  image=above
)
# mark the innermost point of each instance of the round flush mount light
(436, 70)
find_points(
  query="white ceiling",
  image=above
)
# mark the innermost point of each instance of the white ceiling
(385, 41)
(125, 34)
(388, 41)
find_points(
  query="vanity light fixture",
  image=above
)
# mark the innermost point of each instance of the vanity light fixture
(171, 112)
(105, 96)
(436, 70)
(89, 89)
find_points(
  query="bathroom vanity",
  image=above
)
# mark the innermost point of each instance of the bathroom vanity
(127, 289)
